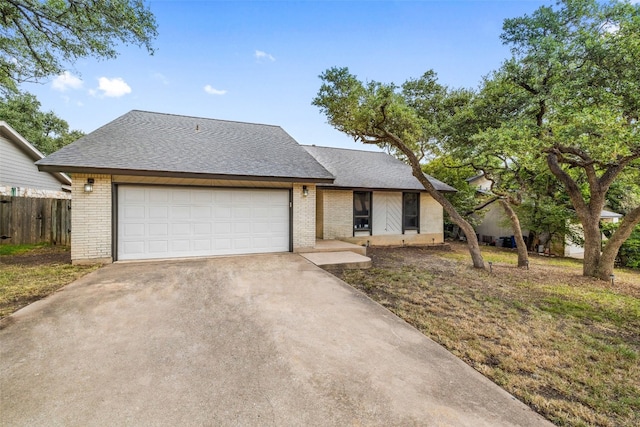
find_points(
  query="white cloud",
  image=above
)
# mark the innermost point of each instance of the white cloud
(66, 81)
(213, 91)
(264, 56)
(112, 88)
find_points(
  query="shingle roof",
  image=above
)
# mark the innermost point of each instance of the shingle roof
(141, 142)
(368, 169)
(609, 214)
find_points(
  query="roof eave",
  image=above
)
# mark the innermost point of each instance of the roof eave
(173, 174)
(359, 188)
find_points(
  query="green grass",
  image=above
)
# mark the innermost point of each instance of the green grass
(19, 249)
(566, 345)
(22, 284)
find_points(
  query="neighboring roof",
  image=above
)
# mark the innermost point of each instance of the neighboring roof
(29, 150)
(369, 169)
(146, 143)
(474, 178)
(609, 214)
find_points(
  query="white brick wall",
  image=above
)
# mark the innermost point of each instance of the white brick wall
(431, 218)
(337, 206)
(91, 220)
(304, 217)
(337, 220)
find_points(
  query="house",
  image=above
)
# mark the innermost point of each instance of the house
(574, 250)
(495, 228)
(375, 199)
(151, 185)
(19, 176)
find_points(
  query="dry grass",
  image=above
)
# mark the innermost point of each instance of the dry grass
(566, 345)
(28, 274)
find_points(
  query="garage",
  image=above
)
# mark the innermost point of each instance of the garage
(173, 222)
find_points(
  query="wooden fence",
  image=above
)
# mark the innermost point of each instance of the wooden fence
(26, 220)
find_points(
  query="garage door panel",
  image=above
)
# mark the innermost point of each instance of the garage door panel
(180, 212)
(158, 246)
(134, 212)
(202, 229)
(177, 196)
(202, 245)
(158, 212)
(222, 244)
(133, 230)
(157, 196)
(181, 246)
(201, 212)
(204, 197)
(180, 229)
(242, 243)
(165, 222)
(134, 195)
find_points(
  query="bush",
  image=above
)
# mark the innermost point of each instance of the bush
(629, 253)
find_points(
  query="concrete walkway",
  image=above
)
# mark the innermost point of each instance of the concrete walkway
(267, 340)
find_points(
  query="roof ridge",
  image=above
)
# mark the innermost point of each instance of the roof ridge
(345, 149)
(203, 118)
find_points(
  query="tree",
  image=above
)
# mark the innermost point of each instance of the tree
(482, 143)
(445, 168)
(46, 131)
(577, 72)
(39, 37)
(408, 120)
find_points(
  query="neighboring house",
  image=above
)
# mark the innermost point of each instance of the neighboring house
(495, 228)
(19, 176)
(150, 185)
(375, 199)
(574, 250)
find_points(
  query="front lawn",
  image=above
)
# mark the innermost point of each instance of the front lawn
(566, 345)
(31, 272)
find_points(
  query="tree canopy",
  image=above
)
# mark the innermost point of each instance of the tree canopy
(565, 105)
(575, 75)
(408, 120)
(40, 38)
(44, 130)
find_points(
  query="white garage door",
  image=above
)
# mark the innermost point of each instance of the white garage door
(170, 222)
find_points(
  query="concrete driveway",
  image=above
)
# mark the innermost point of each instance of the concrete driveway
(267, 340)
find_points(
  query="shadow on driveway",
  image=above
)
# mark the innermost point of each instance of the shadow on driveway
(256, 340)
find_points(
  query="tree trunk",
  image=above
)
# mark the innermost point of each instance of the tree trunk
(592, 246)
(470, 233)
(523, 255)
(612, 246)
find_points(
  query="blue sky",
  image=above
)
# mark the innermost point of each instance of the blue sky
(259, 61)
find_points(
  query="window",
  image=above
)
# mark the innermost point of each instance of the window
(410, 211)
(362, 211)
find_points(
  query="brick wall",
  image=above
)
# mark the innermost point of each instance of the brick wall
(337, 206)
(304, 217)
(91, 220)
(337, 220)
(431, 218)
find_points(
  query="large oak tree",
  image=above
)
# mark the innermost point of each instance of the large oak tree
(576, 69)
(409, 120)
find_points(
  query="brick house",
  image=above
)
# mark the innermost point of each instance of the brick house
(153, 186)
